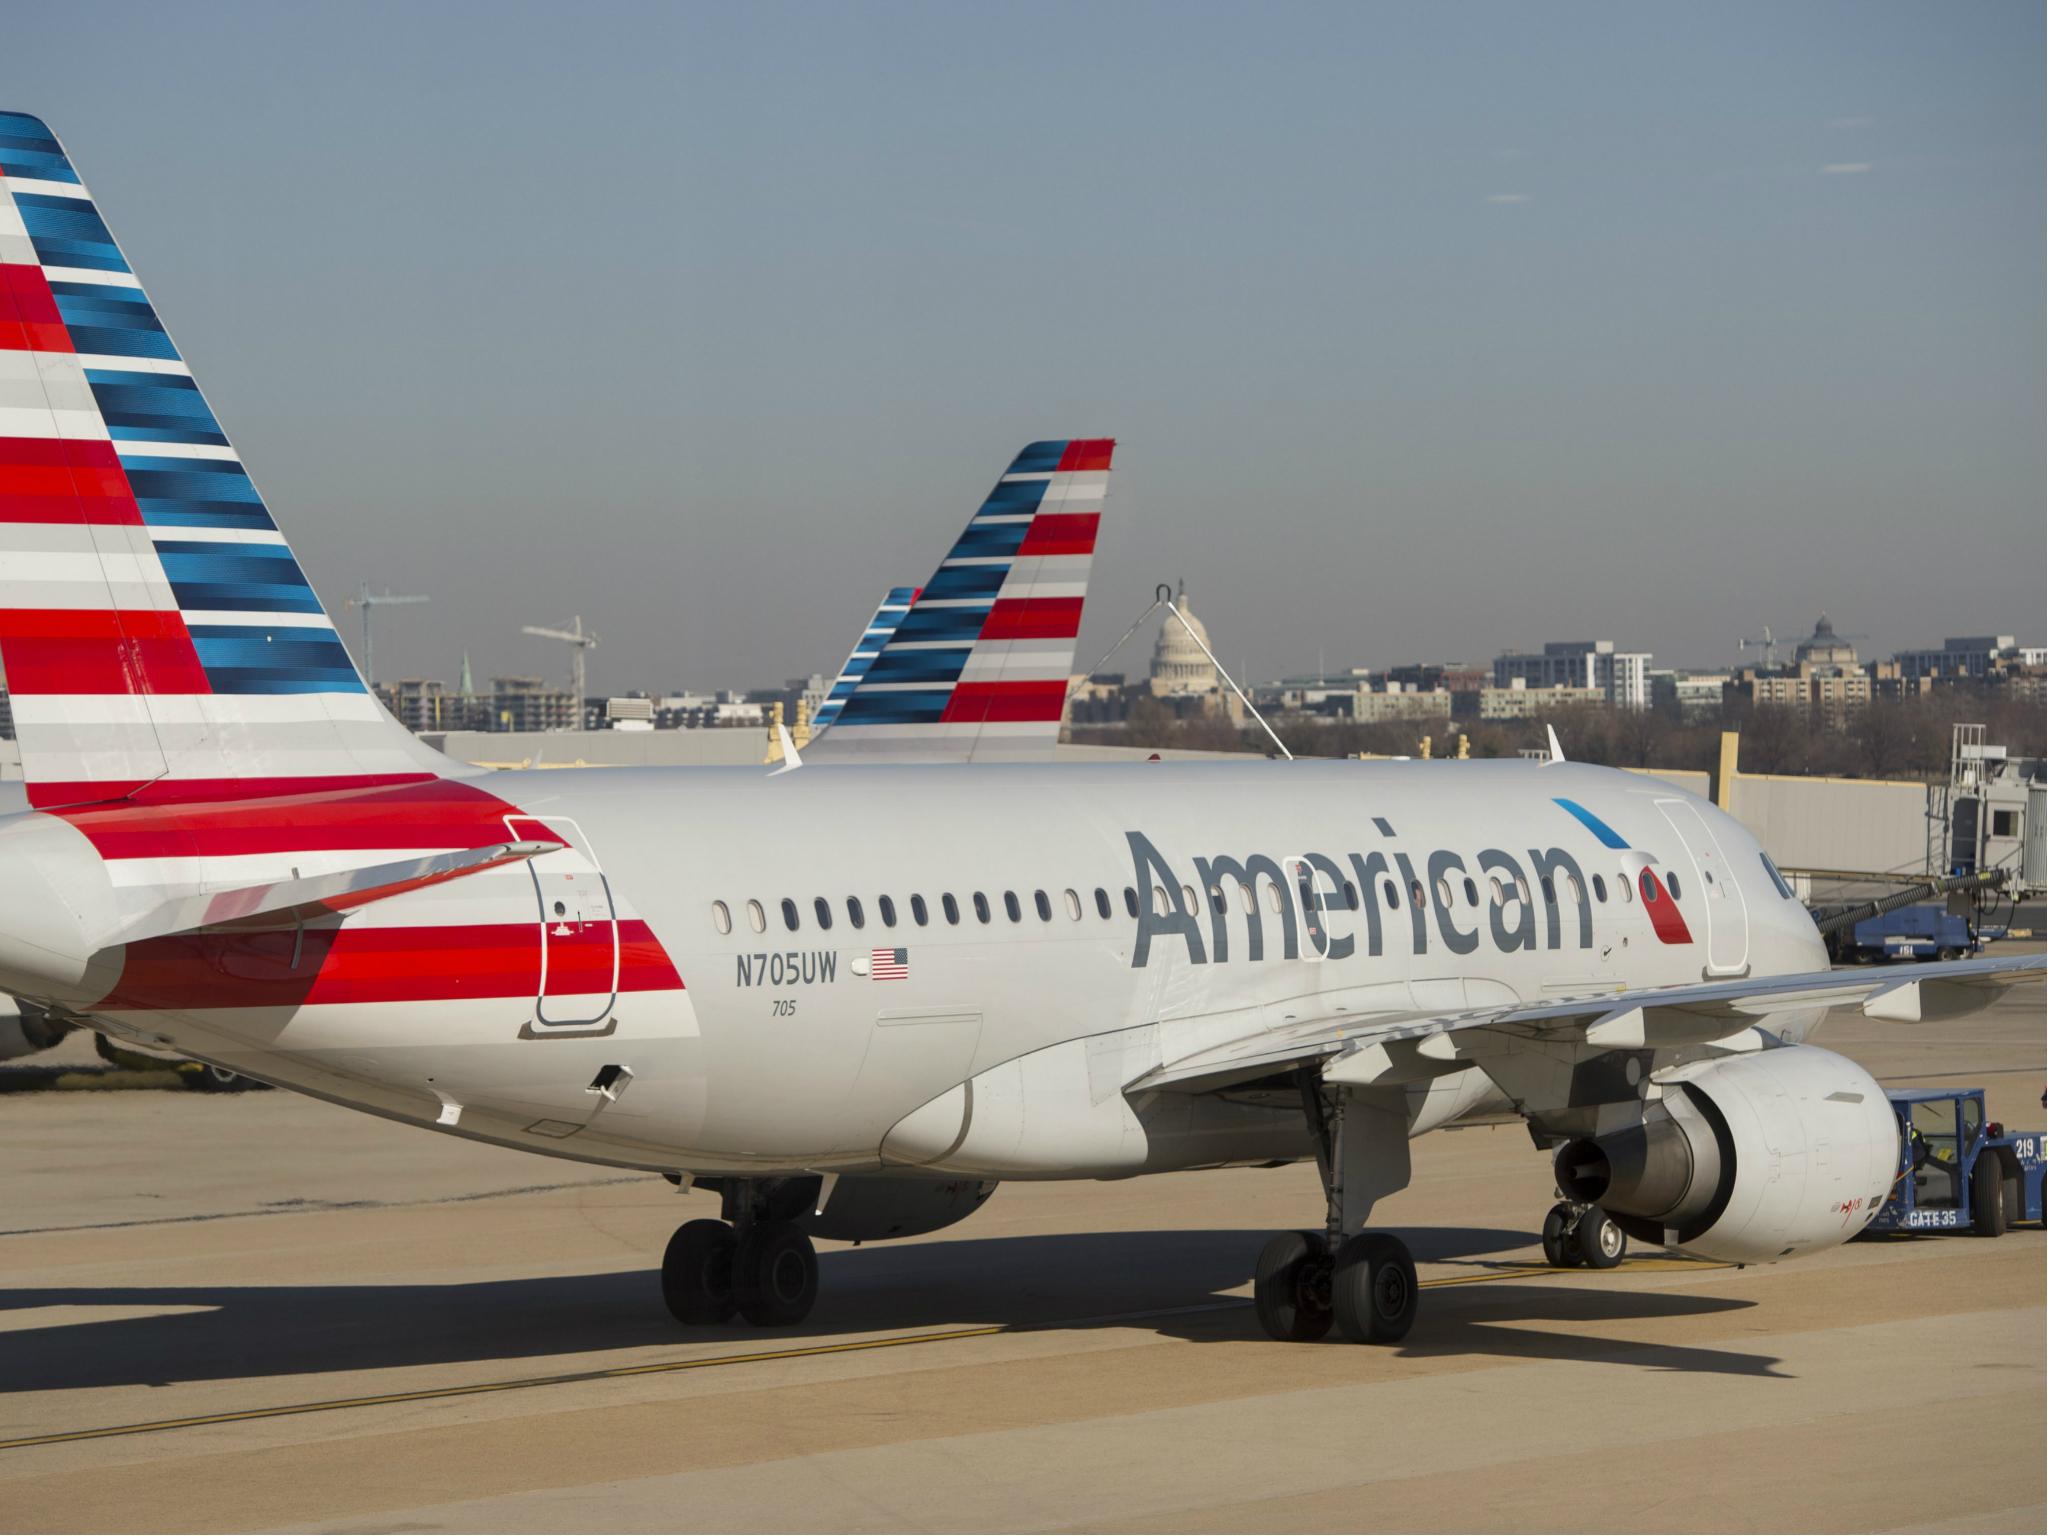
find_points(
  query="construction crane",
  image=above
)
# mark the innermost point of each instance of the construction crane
(1766, 648)
(366, 600)
(581, 644)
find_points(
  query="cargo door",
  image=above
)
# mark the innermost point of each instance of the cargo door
(914, 1055)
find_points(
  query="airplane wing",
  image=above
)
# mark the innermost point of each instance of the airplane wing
(977, 669)
(1383, 1047)
(300, 899)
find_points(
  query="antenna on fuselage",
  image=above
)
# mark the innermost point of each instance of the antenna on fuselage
(1556, 750)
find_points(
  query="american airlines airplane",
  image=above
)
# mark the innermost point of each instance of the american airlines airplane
(851, 998)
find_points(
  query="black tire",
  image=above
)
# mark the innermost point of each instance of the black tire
(1291, 1287)
(1987, 1196)
(1599, 1243)
(1558, 1249)
(1373, 1289)
(205, 1079)
(2014, 1197)
(1947, 952)
(696, 1273)
(775, 1274)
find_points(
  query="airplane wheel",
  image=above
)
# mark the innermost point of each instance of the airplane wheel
(696, 1273)
(775, 1274)
(1291, 1287)
(1373, 1289)
(1599, 1242)
(1987, 1196)
(1558, 1251)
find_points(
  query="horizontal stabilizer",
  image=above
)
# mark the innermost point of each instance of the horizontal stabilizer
(300, 900)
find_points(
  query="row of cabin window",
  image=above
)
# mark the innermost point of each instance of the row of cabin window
(920, 914)
(1163, 904)
(1503, 891)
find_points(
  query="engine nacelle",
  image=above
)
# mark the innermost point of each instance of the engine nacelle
(1746, 1159)
(24, 1031)
(867, 1210)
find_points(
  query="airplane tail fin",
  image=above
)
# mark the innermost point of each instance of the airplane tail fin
(887, 616)
(158, 638)
(977, 668)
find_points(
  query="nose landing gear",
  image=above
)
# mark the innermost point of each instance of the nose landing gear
(758, 1265)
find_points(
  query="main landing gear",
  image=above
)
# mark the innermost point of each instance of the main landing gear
(1361, 1283)
(758, 1263)
(1582, 1235)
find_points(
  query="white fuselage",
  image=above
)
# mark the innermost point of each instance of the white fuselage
(1000, 1047)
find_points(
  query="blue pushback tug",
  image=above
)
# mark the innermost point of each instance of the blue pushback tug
(1957, 1170)
(1912, 933)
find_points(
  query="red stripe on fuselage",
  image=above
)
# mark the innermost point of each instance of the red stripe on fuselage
(1033, 618)
(29, 321)
(432, 813)
(352, 964)
(1036, 700)
(1060, 533)
(1664, 914)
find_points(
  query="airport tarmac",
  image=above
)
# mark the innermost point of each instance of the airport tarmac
(257, 1311)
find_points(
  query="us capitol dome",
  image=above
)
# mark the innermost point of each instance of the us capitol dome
(1180, 670)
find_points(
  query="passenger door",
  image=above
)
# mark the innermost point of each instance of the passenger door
(579, 930)
(1719, 892)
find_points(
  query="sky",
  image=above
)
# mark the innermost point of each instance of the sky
(1426, 331)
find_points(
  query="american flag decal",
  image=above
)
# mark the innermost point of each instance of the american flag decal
(889, 964)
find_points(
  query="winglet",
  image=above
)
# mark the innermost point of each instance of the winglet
(790, 759)
(1556, 751)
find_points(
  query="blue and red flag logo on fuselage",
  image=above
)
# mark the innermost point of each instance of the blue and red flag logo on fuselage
(1658, 901)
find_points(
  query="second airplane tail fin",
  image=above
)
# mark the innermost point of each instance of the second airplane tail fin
(887, 616)
(978, 666)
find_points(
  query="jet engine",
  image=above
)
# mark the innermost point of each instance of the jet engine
(24, 1031)
(1745, 1159)
(867, 1210)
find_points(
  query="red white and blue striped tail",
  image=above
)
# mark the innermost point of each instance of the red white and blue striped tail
(159, 640)
(978, 668)
(888, 614)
